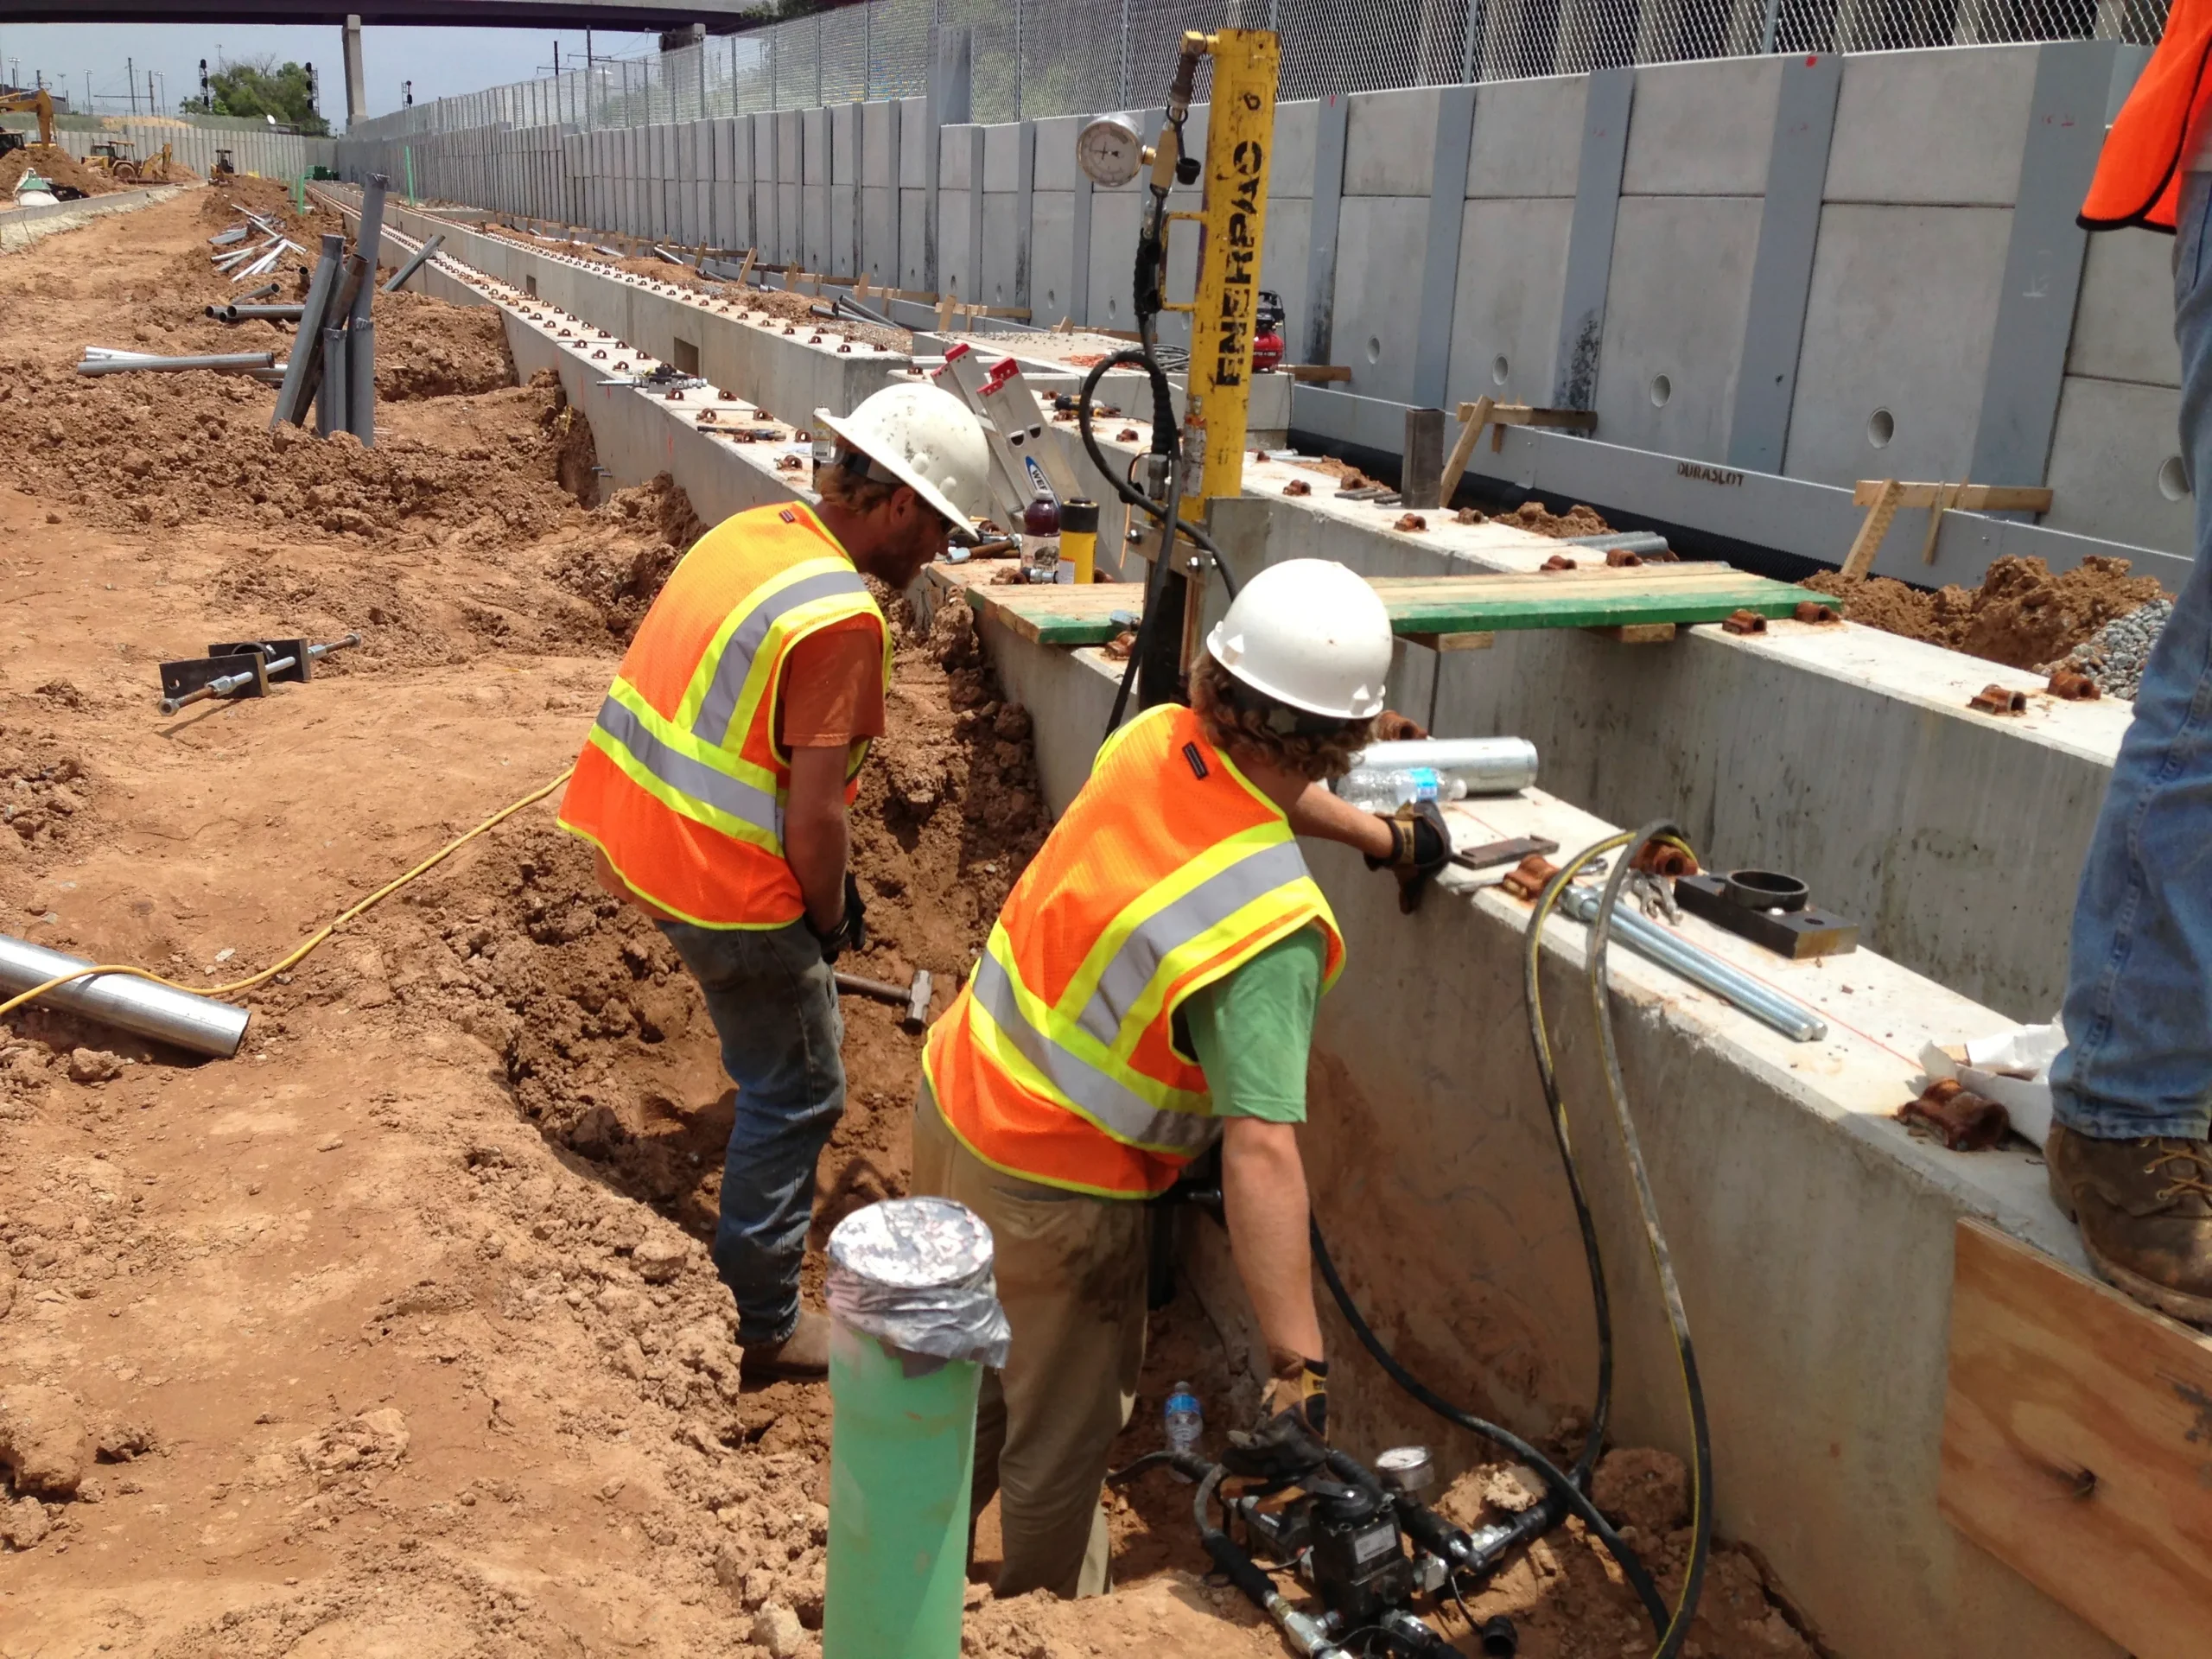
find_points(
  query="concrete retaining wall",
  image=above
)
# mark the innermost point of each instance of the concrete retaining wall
(283, 156)
(1823, 268)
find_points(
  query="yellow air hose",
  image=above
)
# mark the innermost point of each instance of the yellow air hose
(300, 951)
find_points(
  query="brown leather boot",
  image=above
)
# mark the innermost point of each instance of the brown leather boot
(802, 1355)
(2144, 1208)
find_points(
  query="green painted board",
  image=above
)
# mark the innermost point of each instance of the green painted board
(1681, 593)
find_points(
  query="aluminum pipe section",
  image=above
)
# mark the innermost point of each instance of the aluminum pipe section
(1488, 766)
(1701, 968)
(421, 255)
(198, 1023)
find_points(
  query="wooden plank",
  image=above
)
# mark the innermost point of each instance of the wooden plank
(2077, 1443)
(1316, 373)
(1880, 509)
(1650, 599)
(1472, 417)
(1967, 498)
(1452, 641)
(1637, 634)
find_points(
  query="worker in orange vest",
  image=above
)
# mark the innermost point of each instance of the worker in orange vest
(1149, 988)
(2127, 1155)
(715, 786)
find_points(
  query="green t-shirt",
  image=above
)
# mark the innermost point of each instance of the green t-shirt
(1251, 1029)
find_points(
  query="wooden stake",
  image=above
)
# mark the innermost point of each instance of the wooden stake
(1947, 495)
(1473, 418)
(1882, 508)
(745, 269)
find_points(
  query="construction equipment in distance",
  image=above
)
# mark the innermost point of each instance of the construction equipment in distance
(40, 102)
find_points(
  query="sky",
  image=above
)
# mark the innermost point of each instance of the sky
(440, 62)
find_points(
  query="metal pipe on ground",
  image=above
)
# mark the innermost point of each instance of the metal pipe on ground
(422, 256)
(291, 396)
(360, 327)
(189, 1022)
(132, 363)
(237, 313)
(1628, 541)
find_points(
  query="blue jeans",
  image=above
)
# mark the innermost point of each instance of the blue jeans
(2138, 991)
(774, 1005)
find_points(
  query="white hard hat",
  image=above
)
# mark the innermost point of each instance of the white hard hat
(1310, 633)
(926, 438)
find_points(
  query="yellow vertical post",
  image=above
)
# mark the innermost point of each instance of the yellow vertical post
(1240, 144)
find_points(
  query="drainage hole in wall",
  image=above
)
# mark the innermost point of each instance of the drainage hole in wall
(1113, 308)
(1881, 427)
(1499, 368)
(2173, 479)
(1374, 349)
(1661, 390)
(1052, 297)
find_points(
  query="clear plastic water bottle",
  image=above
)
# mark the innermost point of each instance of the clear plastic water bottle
(1184, 1421)
(1380, 789)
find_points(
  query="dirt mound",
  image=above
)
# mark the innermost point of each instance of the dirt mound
(265, 197)
(1533, 517)
(2021, 615)
(621, 574)
(56, 166)
(427, 348)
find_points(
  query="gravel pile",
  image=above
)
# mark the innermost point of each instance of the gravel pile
(2114, 656)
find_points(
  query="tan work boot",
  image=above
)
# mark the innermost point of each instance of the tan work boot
(2144, 1208)
(802, 1355)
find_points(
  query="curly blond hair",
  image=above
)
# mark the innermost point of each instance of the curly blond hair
(1240, 721)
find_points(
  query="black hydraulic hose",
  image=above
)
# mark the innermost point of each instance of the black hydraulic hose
(1562, 1486)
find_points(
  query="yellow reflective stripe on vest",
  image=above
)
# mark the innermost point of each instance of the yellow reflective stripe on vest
(735, 674)
(698, 780)
(1185, 931)
(1002, 1026)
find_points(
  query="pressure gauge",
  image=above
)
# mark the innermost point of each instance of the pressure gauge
(1407, 1469)
(1110, 150)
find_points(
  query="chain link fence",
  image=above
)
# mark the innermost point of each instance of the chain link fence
(1032, 58)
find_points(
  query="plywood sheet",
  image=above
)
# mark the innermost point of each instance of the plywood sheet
(2077, 1443)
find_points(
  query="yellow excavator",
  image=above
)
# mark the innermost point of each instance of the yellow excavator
(37, 99)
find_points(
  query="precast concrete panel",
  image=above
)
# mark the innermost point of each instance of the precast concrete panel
(913, 147)
(791, 228)
(1378, 291)
(1932, 127)
(790, 142)
(953, 248)
(877, 156)
(913, 251)
(1056, 137)
(1527, 138)
(1283, 259)
(1505, 316)
(1115, 216)
(844, 204)
(2124, 321)
(1290, 170)
(1001, 251)
(2116, 468)
(1701, 129)
(1002, 153)
(879, 255)
(1390, 146)
(814, 189)
(763, 177)
(1052, 269)
(845, 143)
(814, 146)
(1667, 379)
(1897, 331)
(956, 170)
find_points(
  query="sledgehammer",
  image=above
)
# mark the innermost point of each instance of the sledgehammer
(914, 998)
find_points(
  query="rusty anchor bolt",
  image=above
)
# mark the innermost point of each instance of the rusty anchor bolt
(1663, 858)
(1127, 435)
(2074, 688)
(1743, 622)
(1527, 878)
(1410, 521)
(1997, 699)
(1811, 610)
(787, 462)
(707, 418)
(1298, 487)
(1470, 516)
(846, 350)
(1557, 562)
(790, 330)
(1962, 1120)
(599, 357)
(1619, 557)
(675, 394)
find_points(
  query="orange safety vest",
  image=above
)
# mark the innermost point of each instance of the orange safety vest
(681, 785)
(2139, 173)
(1057, 1061)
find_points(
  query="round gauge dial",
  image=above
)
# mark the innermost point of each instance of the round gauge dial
(1110, 150)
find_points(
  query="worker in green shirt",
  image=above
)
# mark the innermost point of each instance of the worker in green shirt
(1150, 989)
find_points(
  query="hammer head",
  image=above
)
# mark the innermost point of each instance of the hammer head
(917, 1017)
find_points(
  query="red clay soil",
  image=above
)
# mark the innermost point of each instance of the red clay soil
(56, 166)
(2020, 615)
(397, 1333)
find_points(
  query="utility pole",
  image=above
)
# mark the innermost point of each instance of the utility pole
(131, 82)
(153, 106)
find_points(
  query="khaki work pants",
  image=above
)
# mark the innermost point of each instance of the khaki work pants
(1072, 1277)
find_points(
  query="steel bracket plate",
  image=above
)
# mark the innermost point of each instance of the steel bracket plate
(1800, 934)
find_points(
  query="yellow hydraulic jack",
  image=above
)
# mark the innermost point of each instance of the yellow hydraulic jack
(1232, 222)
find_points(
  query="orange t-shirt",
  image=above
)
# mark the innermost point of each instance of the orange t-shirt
(833, 688)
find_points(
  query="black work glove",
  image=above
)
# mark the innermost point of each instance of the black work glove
(1423, 845)
(851, 931)
(1293, 1439)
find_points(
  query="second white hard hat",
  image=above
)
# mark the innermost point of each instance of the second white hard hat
(928, 441)
(1310, 634)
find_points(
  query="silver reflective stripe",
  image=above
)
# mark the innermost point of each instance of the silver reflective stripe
(736, 663)
(1213, 901)
(1114, 1108)
(687, 776)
